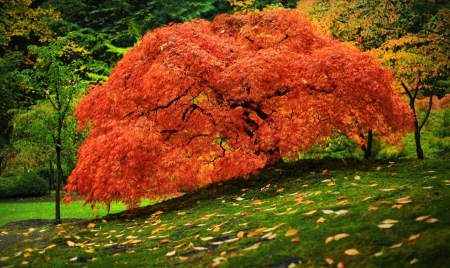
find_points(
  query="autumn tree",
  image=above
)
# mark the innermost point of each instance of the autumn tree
(201, 102)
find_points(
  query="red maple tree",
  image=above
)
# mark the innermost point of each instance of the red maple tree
(200, 102)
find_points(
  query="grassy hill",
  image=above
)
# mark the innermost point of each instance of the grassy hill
(354, 214)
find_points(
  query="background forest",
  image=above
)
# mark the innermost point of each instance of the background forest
(52, 51)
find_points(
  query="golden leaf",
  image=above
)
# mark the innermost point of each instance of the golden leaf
(390, 221)
(354, 184)
(91, 225)
(164, 241)
(422, 218)
(255, 246)
(329, 261)
(90, 250)
(432, 220)
(181, 213)
(352, 252)
(343, 202)
(310, 213)
(257, 202)
(331, 183)
(291, 232)
(329, 239)
(216, 229)
(413, 237)
(240, 234)
(207, 238)
(372, 208)
(70, 243)
(50, 246)
(397, 206)
(413, 261)
(157, 213)
(260, 230)
(295, 239)
(357, 177)
(179, 246)
(340, 236)
(321, 220)
(239, 198)
(26, 255)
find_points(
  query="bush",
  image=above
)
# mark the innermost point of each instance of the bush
(22, 184)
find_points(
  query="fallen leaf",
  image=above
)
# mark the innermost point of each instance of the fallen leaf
(378, 254)
(200, 248)
(171, 253)
(327, 211)
(181, 213)
(216, 229)
(257, 202)
(341, 212)
(413, 237)
(354, 184)
(329, 261)
(432, 220)
(321, 220)
(252, 234)
(385, 226)
(329, 239)
(91, 225)
(343, 202)
(404, 200)
(239, 198)
(413, 261)
(164, 241)
(90, 250)
(390, 221)
(50, 246)
(291, 232)
(331, 183)
(357, 177)
(423, 218)
(255, 246)
(325, 172)
(310, 213)
(397, 206)
(396, 245)
(340, 236)
(295, 239)
(26, 255)
(352, 252)
(70, 243)
(372, 208)
(280, 190)
(159, 212)
(73, 259)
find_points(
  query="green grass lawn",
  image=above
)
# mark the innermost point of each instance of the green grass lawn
(359, 214)
(11, 212)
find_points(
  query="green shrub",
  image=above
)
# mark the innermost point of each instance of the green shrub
(22, 184)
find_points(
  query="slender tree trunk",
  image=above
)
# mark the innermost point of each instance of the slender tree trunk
(367, 149)
(418, 127)
(58, 173)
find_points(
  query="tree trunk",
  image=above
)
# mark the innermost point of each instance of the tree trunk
(58, 185)
(367, 149)
(419, 149)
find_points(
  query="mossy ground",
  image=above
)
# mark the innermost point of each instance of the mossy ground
(280, 218)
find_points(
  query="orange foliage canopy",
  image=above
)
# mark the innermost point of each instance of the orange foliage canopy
(200, 102)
